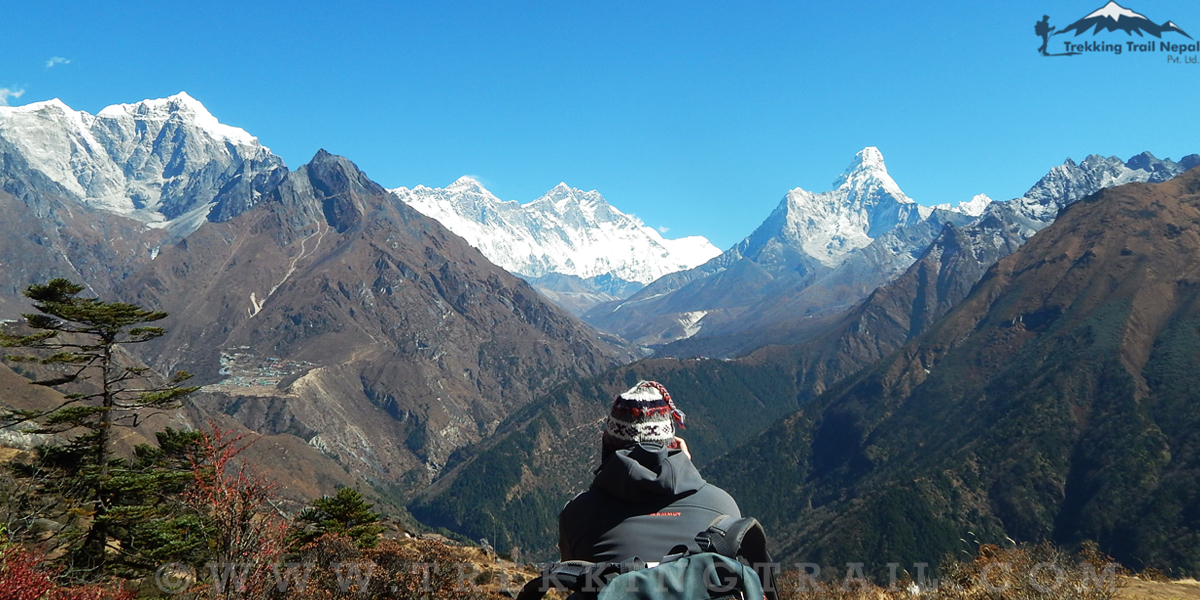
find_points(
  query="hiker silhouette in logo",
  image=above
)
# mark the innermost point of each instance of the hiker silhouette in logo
(647, 496)
(1043, 28)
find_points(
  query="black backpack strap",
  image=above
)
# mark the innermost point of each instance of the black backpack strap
(735, 538)
(677, 552)
(745, 539)
(557, 576)
(719, 538)
(576, 576)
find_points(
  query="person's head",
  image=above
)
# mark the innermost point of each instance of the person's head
(644, 414)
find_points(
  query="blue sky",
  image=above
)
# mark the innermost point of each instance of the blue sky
(696, 116)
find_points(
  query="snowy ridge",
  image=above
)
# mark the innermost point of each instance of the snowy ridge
(1063, 185)
(973, 207)
(154, 160)
(1070, 182)
(567, 231)
(866, 203)
(60, 143)
(183, 104)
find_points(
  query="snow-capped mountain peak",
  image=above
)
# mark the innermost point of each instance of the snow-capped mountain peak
(44, 113)
(567, 231)
(867, 158)
(162, 161)
(973, 207)
(32, 107)
(187, 108)
(868, 171)
(828, 226)
(867, 163)
(559, 192)
(563, 196)
(577, 208)
(53, 104)
(466, 183)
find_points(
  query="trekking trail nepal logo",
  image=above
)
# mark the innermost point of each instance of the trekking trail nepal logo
(1114, 17)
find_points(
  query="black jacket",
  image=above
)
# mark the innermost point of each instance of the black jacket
(643, 502)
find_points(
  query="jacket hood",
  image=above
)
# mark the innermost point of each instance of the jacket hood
(634, 473)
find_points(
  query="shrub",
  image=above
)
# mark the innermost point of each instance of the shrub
(25, 575)
(246, 537)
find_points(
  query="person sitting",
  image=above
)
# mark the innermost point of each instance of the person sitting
(647, 496)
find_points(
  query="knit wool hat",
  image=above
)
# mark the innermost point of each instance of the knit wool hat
(644, 413)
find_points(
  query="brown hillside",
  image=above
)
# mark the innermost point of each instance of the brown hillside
(300, 471)
(343, 316)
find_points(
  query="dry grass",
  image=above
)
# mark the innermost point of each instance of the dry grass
(1024, 573)
(8, 454)
(1141, 589)
(404, 569)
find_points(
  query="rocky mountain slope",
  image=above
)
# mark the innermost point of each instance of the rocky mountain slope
(48, 233)
(333, 312)
(302, 471)
(565, 233)
(1052, 403)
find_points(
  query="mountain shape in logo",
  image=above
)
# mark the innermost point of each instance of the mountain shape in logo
(1113, 17)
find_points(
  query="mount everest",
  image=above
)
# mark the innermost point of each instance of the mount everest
(567, 233)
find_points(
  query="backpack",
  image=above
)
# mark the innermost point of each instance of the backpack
(708, 569)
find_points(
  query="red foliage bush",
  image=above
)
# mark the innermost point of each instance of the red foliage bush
(247, 530)
(22, 575)
(25, 575)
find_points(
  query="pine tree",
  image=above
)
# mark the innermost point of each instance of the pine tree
(345, 513)
(78, 341)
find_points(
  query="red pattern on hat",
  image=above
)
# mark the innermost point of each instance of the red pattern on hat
(640, 415)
